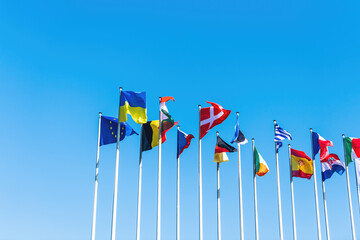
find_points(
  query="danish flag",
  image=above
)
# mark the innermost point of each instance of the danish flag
(211, 116)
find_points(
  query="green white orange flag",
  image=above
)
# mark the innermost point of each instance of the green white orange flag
(261, 168)
(352, 149)
(167, 122)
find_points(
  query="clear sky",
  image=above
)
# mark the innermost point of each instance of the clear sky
(61, 62)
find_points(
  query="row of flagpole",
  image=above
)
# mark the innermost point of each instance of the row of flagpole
(241, 221)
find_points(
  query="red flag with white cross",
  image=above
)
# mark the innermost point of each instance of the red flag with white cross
(211, 116)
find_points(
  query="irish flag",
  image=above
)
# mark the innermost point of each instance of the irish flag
(352, 149)
(261, 168)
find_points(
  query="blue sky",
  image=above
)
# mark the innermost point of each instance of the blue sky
(61, 62)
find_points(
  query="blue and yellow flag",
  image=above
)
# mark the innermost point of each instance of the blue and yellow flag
(133, 103)
(109, 128)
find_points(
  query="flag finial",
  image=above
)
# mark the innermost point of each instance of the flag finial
(100, 113)
(274, 121)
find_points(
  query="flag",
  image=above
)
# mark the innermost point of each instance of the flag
(330, 165)
(167, 122)
(352, 149)
(239, 136)
(150, 135)
(220, 150)
(109, 129)
(280, 134)
(133, 103)
(261, 168)
(301, 164)
(183, 141)
(211, 116)
(320, 144)
(357, 168)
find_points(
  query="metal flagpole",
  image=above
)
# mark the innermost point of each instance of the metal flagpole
(240, 192)
(255, 195)
(349, 195)
(178, 196)
(326, 214)
(240, 196)
(218, 203)
(357, 184)
(139, 188)
(218, 200)
(158, 222)
(292, 197)
(200, 183)
(96, 182)
(278, 187)
(113, 222)
(315, 189)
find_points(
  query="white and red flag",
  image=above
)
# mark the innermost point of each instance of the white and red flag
(211, 116)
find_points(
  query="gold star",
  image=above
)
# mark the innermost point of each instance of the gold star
(115, 136)
(110, 122)
(112, 133)
(110, 128)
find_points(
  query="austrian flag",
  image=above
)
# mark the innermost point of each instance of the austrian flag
(211, 116)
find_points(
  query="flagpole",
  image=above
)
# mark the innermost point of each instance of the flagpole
(139, 187)
(278, 187)
(315, 189)
(113, 222)
(218, 200)
(357, 184)
(292, 197)
(93, 226)
(158, 222)
(178, 196)
(349, 194)
(240, 192)
(255, 195)
(200, 183)
(326, 214)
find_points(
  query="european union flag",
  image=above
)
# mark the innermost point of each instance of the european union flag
(109, 128)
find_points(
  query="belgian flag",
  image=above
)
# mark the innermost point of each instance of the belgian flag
(150, 135)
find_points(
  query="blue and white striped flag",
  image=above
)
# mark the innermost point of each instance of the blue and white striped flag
(280, 134)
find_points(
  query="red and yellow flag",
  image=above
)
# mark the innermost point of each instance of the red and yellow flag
(301, 164)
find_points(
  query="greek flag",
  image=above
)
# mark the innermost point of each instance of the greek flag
(280, 134)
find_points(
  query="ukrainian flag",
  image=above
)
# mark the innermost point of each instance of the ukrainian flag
(133, 103)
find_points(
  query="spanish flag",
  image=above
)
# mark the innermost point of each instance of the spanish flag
(301, 164)
(220, 150)
(261, 168)
(133, 103)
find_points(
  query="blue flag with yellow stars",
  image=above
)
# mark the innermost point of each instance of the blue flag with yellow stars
(109, 128)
